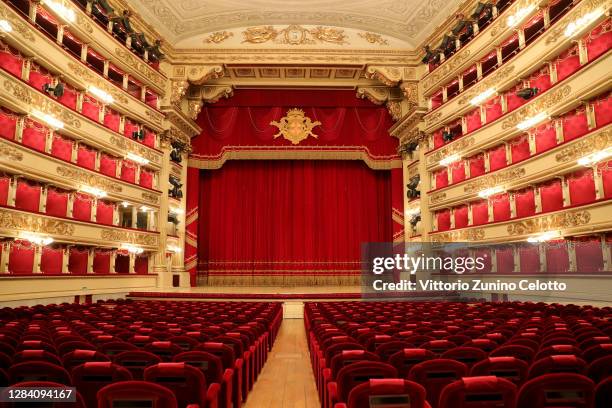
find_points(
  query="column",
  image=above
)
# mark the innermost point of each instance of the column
(178, 259)
(37, 255)
(5, 248)
(65, 259)
(159, 257)
(90, 260)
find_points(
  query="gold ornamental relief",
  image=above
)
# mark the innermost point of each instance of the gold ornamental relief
(472, 234)
(295, 126)
(588, 145)
(454, 148)
(437, 197)
(218, 37)
(494, 180)
(129, 237)
(373, 38)
(25, 222)
(92, 180)
(124, 143)
(540, 105)
(150, 197)
(550, 222)
(294, 35)
(10, 153)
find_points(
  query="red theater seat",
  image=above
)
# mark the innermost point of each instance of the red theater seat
(467, 355)
(557, 364)
(229, 360)
(78, 357)
(514, 350)
(603, 393)
(477, 392)
(509, 368)
(136, 361)
(557, 390)
(163, 349)
(435, 374)
(354, 374)
(38, 371)
(386, 393)
(36, 355)
(92, 376)
(136, 394)
(212, 368)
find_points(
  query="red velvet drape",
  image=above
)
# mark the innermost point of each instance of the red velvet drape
(291, 217)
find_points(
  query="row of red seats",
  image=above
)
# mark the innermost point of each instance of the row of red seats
(515, 349)
(207, 356)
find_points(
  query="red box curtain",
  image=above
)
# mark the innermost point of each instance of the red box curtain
(191, 222)
(8, 124)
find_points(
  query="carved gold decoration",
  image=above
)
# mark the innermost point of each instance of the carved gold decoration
(150, 197)
(294, 35)
(410, 89)
(154, 117)
(550, 222)
(433, 118)
(83, 22)
(125, 144)
(494, 180)
(199, 75)
(10, 153)
(448, 67)
(20, 28)
(13, 220)
(295, 126)
(395, 110)
(539, 105)
(214, 93)
(89, 179)
(390, 76)
(451, 149)
(139, 66)
(462, 235)
(487, 83)
(585, 146)
(91, 78)
(409, 123)
(194, 107)
(373, 38)
(218, 37)
(129, 237)
(178, 89)
(578, 12)
(435, 198)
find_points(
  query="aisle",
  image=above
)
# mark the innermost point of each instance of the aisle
(286, 380)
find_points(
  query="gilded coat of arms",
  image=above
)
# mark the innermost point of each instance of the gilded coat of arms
(295, 126)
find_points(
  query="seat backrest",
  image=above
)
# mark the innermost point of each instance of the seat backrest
(79, 402)
(557, 390)
(69, 346)
(136, 361)
(557, 364)
(467, 355)
(557, 350)
(478, 392)
(89, 377)
(78, 357)
(381, 393)
(514, 350)
(36, 355)
(597, 351)
(4, 380)
(361, 371)
(113, 348)
(386, 350)
(347, 357)
(509, 368)
(600, 369)
(603, 393)
(210, 365)
(187, 382)
(438, 346)
(405, 359)
(38, 371)
(337, 348)
(435, 374)
(223, 351)
(136, 394)
(164, 349)
(185, 343)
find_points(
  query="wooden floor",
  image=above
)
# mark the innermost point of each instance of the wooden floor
(286, 380)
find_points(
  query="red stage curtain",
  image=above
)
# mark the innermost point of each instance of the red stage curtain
(574, 124)
(525, 203)
(461, 216)
(34, 135)
(493, 109)
(149, 139)
(5, 182)
(302, 216)
(129, 128)
(27, 196)
(599, 40)
(458, 171)
(81, 209)
(39, 77)
(8, 124)
(501, 207)
(141, 265)
(57, 202)
(191, 222)
(551, 195)
(146, 178)
(480, 212)
(111, 119)
(530, 259)
(497, 158)
(101, 261)
(557, 257)
(61, 148)
(545, 136)
(589, 254)
(21, 257)
(10, 60)
(51, 260)
(581, 187)
(91, 108)
(477, 165)
(437, 138)
(519, 148)
(122, 263)
(541, 79)
(77, 261)
(473, 120)
(128, 171)
(86, 157)
(441, 178)
(104, 212)
(108, 165)
(444, 220)
(69, 99)
(603, 110)
(568, 63)
(605, 170)
(505, 260)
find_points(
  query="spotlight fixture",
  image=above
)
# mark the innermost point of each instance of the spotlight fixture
(596, 157)
(448, 135)
(176, 210)
(57, 90)
(5, 26)
(410, 212)
(61, 10)
(138, 135)
(36, 239)
(48, 119)
(579, 24)
(96, 192)
(173, 248)
(520, 15)
(136, 158)
(527, 93)
(415, 220)
(448, 160)
(483, 96)
(413, 187)
(125, 204)
(532, 121)
(105, 97)
(547, 236)
(132, 249)
(488, 192)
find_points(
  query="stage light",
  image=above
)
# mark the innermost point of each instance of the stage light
(532, 121)
(480, 98)
(61, 10)
(411, 211)
(48, 119)
(547, 236)
(138, 135)
(144, 208)
(36, 239)
(173, 248)
(176, 210)
(136, 158)
(488, 192)
(5, 26)
(595, 157)
(447, 161)
(132, 249)
(105, 97)
(579, 24)
(98, 193)
(520, 15)
(57, 90)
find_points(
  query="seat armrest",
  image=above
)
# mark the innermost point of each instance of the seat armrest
(212, 395)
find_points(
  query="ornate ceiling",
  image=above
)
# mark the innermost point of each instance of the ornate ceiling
(189, 23)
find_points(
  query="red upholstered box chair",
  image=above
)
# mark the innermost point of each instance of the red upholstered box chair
(136, 394)
(187, 382)
(79, 403)
(545, 136)
(77, 261)
(101, 262)
(229, 360)
(354, 374)
(473, 120)
(510, 368)
(435, 374)
(599, 40)
(38, 371)
(78, 357)
(149, 138)
(568, 63)
(111, 119)
(69, 98)
(480, 392)
(81, 207)
(27, 196)
(61, 147)
(212, 368)
(136, 361)
(86, 157)
(128, 171)
(39, 77)
(493, 109)
(10, 60)
(89, 377)
(91, 108)
(480, 212)
(557, 390)
(392, 392)
(441, 178)
(575, 124)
